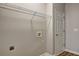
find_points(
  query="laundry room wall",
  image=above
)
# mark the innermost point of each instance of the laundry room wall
(39, 7)
(18, 33)
(49, 42)
(72, 26)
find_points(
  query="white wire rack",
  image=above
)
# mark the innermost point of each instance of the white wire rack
(21, 9)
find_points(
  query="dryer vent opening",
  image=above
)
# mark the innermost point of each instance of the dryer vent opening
(11, 48)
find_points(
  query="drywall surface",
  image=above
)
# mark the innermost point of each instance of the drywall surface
(72, 26)
(38, 7)
(20, 31)
(46, 9)
(49, 41)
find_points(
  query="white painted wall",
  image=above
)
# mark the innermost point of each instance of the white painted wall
(46, 9)
(72, 26)
(39, 7)
(16, 30)
(50, 28)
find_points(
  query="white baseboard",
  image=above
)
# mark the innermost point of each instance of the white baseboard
(46, 54)
(68, 50)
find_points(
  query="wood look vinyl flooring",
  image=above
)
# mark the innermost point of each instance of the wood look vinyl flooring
(65, 53)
